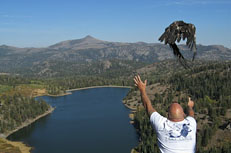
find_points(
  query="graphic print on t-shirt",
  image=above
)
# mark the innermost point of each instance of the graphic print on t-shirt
(175, 131)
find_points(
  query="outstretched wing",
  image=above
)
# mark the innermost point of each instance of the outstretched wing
(170, 34)
(190, 34)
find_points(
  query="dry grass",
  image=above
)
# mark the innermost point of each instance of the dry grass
(27, 90)
(13, 147)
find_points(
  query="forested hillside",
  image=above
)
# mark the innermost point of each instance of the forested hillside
(91, 56)
(16, 109)
(209, 86)
(207, 82)
(17, 105)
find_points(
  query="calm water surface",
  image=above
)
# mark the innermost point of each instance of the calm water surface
(87, 121)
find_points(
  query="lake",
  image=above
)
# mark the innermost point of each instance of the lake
(87, 121)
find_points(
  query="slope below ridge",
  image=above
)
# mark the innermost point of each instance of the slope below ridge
(90, 50)
(83, 43)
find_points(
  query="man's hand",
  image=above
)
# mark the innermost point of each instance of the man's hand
(190, 103)
(146, 101)
(139, 83)
(190, 107)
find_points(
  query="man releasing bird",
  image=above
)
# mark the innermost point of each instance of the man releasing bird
(175, 32)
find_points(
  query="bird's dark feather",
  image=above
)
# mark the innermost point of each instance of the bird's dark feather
(176, 50)
(180, 30)
(180, 57)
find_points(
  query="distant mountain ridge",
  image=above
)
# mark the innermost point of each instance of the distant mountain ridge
(89, 50)
(84, 43)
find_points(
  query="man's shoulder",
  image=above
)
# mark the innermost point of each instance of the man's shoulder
(156, 118)
(156, 115)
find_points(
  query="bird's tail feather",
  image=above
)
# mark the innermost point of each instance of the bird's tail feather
(194, 49)
(179, 56)
(194, 55)
(184, 63)
(176, 51)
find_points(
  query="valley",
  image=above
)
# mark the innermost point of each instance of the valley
(26, 73)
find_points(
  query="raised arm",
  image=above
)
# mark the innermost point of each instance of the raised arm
(146, 101)
(190, 107)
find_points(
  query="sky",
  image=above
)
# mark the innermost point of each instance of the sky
(41, 23)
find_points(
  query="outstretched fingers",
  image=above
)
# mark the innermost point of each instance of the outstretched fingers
(139, 83)
(135, 80)
(139, 79)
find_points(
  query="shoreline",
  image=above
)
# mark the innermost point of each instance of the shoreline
(63, 94)
(91, 87)
(130, 107)
(16, 144)
(26, 123)
(69, 91)
(23, 146)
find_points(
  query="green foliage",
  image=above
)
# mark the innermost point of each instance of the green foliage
(206, 136)
(209, 86)
(17, 109)
(4, 88)
(147, 135)
(111, 68)
(60, 85)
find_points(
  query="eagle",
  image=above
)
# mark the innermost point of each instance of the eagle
(175, 32)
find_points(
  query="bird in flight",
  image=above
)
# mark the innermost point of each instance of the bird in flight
(175, 32)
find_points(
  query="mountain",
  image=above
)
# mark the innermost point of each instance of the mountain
(88, 52)
(84, 43)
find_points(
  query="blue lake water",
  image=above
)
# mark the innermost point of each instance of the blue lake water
(87, 121)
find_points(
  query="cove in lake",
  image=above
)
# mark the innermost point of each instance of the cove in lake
(87, 121)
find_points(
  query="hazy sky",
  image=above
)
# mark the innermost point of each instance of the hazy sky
(40, 23)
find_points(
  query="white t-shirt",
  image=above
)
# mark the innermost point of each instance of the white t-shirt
(175, 137)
